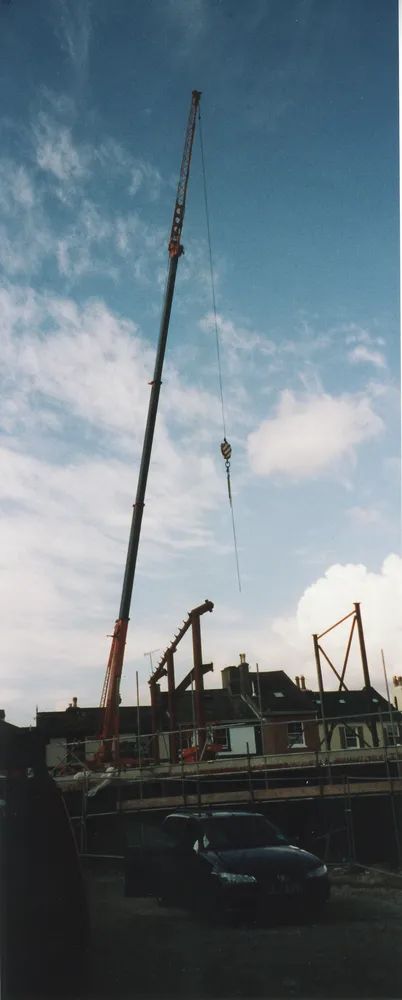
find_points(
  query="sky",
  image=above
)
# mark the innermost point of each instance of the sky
(300, 128)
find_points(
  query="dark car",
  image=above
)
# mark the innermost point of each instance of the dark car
(218, 860)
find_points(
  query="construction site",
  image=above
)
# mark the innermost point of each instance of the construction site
(315, 757)
(322, 764)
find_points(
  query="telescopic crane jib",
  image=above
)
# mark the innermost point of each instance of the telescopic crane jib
(111, 689)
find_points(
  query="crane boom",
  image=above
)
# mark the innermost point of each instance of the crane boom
(111, 689)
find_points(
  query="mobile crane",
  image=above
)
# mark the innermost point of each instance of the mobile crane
(110, 699)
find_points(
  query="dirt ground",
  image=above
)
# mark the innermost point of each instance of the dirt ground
(142, 950)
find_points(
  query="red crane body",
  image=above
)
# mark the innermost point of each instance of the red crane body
(110, 698)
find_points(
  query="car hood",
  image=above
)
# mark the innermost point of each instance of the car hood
(263, 861)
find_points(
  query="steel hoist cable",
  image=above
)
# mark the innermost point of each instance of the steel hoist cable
(226, 449)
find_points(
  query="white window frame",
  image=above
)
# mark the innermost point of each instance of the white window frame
(348, 732)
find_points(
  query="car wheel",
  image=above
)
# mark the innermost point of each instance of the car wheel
(162, 901)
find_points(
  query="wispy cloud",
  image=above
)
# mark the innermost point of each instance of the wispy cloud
(73, 29)
(365, 515)
(366, 355)
(138, 174)
(56, 152)
(16, 188)
(190, 18)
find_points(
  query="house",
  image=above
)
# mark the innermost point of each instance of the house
(397, 692)
(286, 712)
(254, 712)
(72, 736)
(230, 723)
(358, 719)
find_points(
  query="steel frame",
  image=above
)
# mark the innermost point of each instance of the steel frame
(165, 668)
(356, 617)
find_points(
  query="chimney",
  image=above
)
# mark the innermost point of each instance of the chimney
(303, 683)
(74, 702)
(298, 682)
(231, 679)
(245, 680)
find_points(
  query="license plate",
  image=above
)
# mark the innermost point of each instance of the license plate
(284, 887)
(292, 889)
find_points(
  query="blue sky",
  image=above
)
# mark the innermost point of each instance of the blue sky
(300, 126)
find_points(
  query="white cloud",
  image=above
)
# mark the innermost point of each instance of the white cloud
(365, 355)
(25, 236)
(365, 515)
(73, 405)
(16, 188)
(380, 595)
(140, 174)
(56, 152)
(285, 642)
(309, 435)
(235, 337)
(147, 177)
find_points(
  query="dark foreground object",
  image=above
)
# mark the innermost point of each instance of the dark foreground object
(354, 949)
(44, 911)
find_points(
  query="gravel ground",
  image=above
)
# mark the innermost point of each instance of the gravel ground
(142, 950)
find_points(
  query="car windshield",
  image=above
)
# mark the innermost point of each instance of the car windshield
(233, 832)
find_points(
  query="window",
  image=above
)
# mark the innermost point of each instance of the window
(182, 832)
(242, 832)
(296, 735)
(392, 734)
(219, 737)
(351, 737)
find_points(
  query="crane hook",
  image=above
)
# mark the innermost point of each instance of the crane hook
(227, 454)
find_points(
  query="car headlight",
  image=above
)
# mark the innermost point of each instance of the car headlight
(232, 878)
(317, 872)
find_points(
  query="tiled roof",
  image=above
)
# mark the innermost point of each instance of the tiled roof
(218, 706)
(280, 695)
(87, 721)
(358, 703)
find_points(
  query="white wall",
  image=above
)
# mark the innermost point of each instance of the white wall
(240, 736)
(56, 752)
(396, 692)
(91, 748)
(164, 749)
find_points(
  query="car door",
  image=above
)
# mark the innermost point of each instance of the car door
(179, 869)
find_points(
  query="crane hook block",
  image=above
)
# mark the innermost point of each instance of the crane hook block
(226, 450)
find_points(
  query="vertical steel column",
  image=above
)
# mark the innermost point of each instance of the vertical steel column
(171, 707)
(395, 726)
(367, 683)
(154, 717)
(198, 678)
(321, 690)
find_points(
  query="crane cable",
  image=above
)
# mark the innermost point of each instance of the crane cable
(226, 449)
